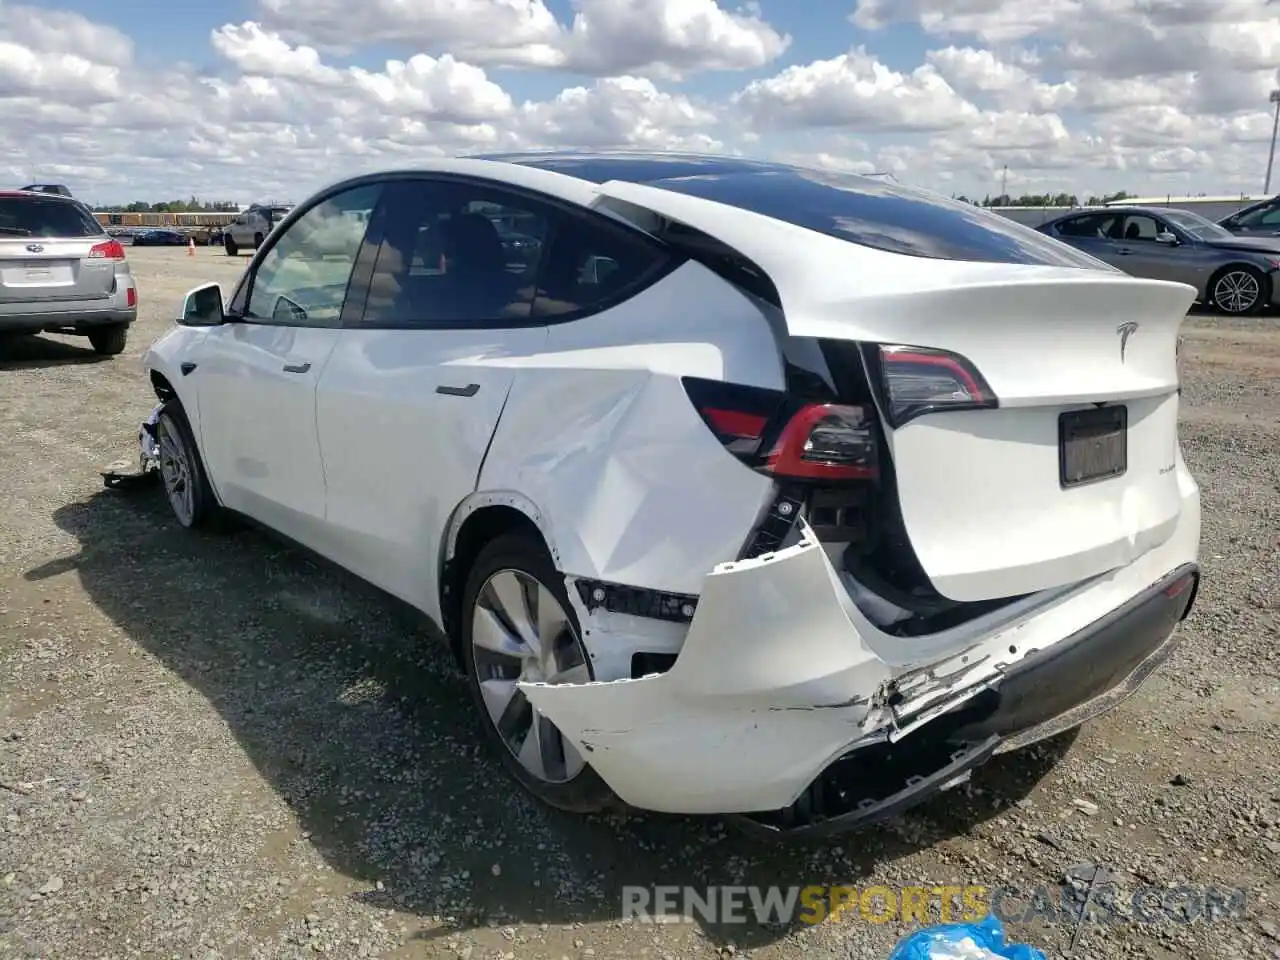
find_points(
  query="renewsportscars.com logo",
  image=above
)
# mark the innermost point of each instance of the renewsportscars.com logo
(1097, 901)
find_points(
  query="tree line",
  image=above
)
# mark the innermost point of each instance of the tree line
(193, 205)
(1045, 200)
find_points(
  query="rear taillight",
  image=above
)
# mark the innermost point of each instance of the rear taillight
(784, 438)
(131, 296)
(826, 441)
(110, 250)
(913, 381)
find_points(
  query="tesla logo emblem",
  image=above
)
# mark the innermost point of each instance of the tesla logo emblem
(35, 248)
(1126, 330)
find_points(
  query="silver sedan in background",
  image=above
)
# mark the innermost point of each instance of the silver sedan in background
(1234, 274)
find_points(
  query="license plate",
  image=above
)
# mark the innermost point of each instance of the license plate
(39, 273)
(1093, 445)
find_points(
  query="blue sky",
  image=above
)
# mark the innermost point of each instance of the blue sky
(818, 28)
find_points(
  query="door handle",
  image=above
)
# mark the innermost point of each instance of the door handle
(470, 390)
(297, 367)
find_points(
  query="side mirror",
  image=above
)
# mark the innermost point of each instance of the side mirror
(202, 307)
(1168, 238)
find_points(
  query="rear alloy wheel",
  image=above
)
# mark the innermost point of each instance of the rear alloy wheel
(109, 340)
(186, 486)
(1238, 290)
(230, 246)
(517, 626)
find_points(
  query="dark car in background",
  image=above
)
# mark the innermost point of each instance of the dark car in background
(159, 238)
(1234, 274)
(1261, 219)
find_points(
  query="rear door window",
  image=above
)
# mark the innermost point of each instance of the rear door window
(1092, 227)
(45, 217)
(589, 266)
(453, 255)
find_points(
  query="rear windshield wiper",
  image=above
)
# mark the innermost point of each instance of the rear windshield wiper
(16, 231)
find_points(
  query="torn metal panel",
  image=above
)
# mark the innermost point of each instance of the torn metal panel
(771, 669)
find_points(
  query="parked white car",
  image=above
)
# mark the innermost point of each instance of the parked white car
(758, 490)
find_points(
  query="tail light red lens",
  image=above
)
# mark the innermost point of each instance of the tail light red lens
(828, 442)
(914, 381)
(131, 296)
(110, 250)
(775, 434)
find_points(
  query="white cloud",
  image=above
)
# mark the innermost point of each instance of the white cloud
(1071, 95)
(605, 37)
(855, 90)
(621, 111)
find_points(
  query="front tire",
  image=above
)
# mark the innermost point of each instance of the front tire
(517, 624)
(110, 340)
(1238, 290)
(186, 485)
(257, 240)
(230, 246)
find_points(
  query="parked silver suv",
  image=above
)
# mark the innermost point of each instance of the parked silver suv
(61, 273)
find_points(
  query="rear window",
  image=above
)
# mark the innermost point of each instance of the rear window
(45, 217)
(886, 216)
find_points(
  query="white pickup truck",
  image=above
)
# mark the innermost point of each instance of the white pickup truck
(250, 228)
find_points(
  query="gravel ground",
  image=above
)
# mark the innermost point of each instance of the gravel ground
(212, 747)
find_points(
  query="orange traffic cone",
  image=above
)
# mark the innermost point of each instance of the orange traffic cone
(191, 247)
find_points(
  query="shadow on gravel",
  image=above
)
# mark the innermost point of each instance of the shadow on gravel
(24, 352)
(358, 718)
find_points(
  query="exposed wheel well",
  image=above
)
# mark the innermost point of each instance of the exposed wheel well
(163, 388)
(482, 527)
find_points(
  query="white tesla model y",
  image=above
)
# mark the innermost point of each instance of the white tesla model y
(739, 488)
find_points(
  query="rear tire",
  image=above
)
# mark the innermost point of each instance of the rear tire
(186, 485)
(562, 779)
(230, 246)
(109, 340)
(1239, 290)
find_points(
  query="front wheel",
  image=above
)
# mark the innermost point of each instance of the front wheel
(186, 486)
(517, 625)
(1238, 290)
(230, 246)
(257, 240)
(109, 340)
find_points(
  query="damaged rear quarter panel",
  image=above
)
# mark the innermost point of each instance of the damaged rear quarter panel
(773, 681)
(598, 432)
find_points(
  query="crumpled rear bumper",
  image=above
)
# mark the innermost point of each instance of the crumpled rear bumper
(788, 705)
(1048, 692)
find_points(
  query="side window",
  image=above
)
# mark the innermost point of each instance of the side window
(1088, 227)
(1139, 227)
(302, 280)
(451, 254)
(589, 264)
